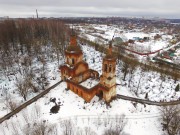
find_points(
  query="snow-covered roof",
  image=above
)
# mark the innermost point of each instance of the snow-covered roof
(89, 83)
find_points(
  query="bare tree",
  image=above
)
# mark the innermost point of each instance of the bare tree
(10, 104)
(139, 82)
(85, 131)
(67, 127)
(120, 123)
(42, 79)
(89, 131)
(132, 69)
(117, 126)
(175, 77)
(111, 131)
(22, 88)
(162, 77)
(125, 70)
(41, 128)
(171, 119)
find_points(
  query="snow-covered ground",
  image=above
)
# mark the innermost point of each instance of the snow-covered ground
(151, 46)
(73, 107)
(8, 88)
(141, 119)
(89, 83)
(104, 33)
(150, 82)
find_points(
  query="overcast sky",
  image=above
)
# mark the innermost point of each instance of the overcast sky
(91, 8)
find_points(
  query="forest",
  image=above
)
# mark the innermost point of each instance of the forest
(28, 42)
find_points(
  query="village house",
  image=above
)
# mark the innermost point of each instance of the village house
(157, 36)
(77, 74)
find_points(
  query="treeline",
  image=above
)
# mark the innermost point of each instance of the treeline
(28, 36)
(26, 47)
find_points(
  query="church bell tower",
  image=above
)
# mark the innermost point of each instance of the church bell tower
(108, 77)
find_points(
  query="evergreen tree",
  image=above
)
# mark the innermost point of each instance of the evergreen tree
(93, 60)
(177, 88)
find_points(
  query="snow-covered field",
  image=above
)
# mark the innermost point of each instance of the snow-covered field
(141, 119)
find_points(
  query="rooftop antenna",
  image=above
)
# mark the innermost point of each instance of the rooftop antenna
(37, 14)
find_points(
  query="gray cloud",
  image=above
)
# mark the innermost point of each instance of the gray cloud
(72, 8)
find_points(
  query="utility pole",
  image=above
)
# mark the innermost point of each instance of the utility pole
(37, 13)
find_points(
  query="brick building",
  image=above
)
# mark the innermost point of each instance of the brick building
(76, 72)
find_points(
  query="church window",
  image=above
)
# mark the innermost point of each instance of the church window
(72, 61)
(110, 68)
(105, 68)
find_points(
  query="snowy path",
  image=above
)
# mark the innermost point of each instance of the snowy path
(18, 109)
(143, 101)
